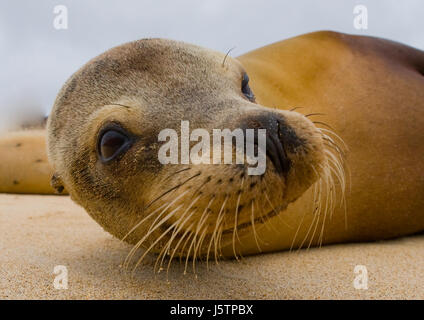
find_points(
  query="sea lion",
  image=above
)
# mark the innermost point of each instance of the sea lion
(24, 165)
(344, 121)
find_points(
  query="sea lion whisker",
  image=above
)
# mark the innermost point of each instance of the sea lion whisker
(152, 228)
(263, 215)
(202, 221)
(327, 135)
(211, 238)
(302, 219)
(192, 234)
(166, 248)
(202, 238)
(160, 224)
(323, 124)
(273, 208)
(340, 178)
(198, 245)
(142, 220)
(315, 213)
(221, 231)
(164, 210)
(178, 244)
(335, 147)
(159, 238)
(218, 222)
(238, 204)
(119, 104)
(262, 220)
(209, 246)
(236, 220)
(328, 193)
(314, 114)
(162, 254)
(200, 187)
(137, 245)
(316, 222)
(193, 240)
(226, 55)
(275, 211)
(338, 169)
(295, 108)
(252, 219)
(332, 189)
(334, 134)
(176, 172)
(218, 252)
(155, 225)
(330, 140)
(342, 204)
(180, 226)
(172, 189)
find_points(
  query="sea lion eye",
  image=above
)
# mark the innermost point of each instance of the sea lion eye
(246, 89)
(112, 143)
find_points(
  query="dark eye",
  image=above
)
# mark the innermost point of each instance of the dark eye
(112, 143)
(246, 89)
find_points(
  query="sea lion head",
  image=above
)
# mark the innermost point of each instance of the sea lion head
(103, 144)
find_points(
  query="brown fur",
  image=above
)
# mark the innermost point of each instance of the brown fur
(368, 90)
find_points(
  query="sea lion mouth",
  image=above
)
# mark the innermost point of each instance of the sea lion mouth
(258, 220)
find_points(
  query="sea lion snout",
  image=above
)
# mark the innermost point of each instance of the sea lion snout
(281, 138)
(288, 136)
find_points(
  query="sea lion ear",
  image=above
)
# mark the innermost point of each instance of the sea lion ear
(56, 183)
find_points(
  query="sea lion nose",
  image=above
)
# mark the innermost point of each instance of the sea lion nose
(281, 139)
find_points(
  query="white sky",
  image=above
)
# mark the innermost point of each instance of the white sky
(36, 59)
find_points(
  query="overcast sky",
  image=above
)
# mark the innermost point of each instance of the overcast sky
(36, 59)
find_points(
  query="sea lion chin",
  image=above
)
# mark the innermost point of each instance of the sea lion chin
(103, 144)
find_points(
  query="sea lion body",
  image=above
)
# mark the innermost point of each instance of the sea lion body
(25, 168)
(371, 94)
(321, 190)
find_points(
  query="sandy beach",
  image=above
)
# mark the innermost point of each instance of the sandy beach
(40, 232)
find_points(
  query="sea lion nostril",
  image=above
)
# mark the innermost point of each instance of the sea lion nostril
(280, 139)
(277, 154)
